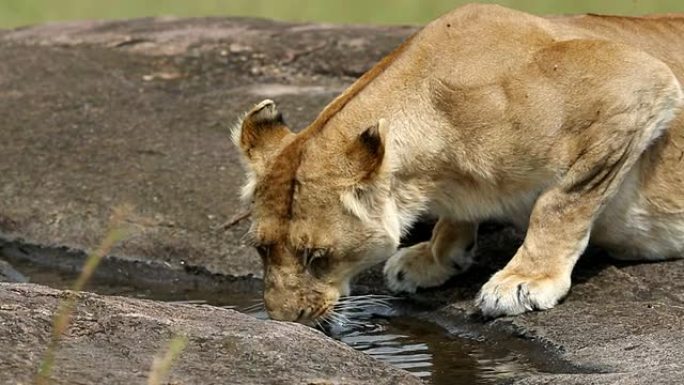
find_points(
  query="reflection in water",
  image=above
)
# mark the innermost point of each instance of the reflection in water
(395, 349)
(429, 352)
(394, 336)
(391, 334)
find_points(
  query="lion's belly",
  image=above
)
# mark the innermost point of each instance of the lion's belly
(631, 227)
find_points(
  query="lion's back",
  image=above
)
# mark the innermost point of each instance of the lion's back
(659, 36)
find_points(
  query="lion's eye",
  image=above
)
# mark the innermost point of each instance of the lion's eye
(316, 260)
(263, 250)
(310, 255)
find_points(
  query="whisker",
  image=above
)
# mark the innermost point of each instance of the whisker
(255, 300)
(317, 324)
(360, 303)
(372, 296)
(188, 302)
(338, 318)
(251, 308)
(369, 298)
(357, 310)
(344, 320)
(255, 307)
(361, 306)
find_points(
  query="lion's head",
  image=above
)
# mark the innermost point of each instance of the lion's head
(321, 209)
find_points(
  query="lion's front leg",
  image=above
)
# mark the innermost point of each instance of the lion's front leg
(430, 264)
(538, 276)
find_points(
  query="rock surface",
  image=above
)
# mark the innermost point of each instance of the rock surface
(95, 114)
(9, 274)
(627, 321)
(113, 340)
(620, 324)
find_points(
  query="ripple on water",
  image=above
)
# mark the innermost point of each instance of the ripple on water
(395, 349)
(429, 351)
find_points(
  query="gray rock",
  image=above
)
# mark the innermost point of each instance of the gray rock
(621, 324)
(95, 114)
(627, 321)
(113, 340)
(10, 274)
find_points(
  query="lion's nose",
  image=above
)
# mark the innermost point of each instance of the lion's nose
(287, 314)
(281, 310)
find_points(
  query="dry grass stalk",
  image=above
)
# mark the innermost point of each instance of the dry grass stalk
(162, 364)
(116, 233)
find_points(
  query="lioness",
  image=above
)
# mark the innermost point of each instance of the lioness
(567, 126)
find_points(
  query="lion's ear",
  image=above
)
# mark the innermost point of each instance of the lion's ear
(368, 150)
(260, 133)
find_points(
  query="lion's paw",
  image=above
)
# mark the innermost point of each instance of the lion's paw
(414, 267)
(510, 294)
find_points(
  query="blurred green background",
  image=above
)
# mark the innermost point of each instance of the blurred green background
(15, 13)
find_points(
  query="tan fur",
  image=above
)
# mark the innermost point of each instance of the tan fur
(568, 126)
